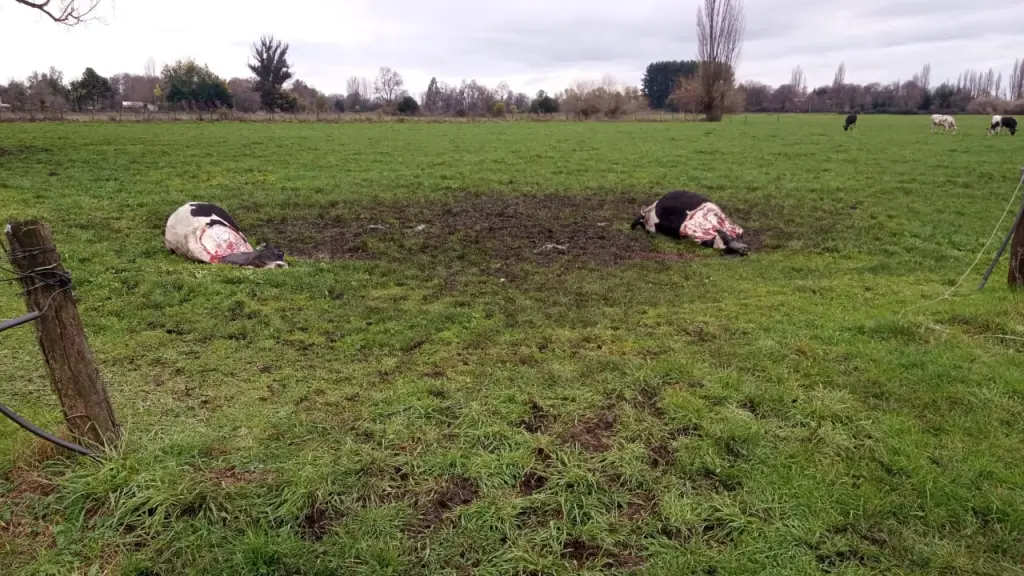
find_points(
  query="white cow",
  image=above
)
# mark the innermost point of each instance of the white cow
(944, 122)
(205, 232)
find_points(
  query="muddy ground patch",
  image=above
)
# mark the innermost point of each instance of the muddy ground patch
(539, 229)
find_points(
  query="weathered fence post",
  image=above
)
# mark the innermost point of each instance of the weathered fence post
(1017, 252)
(73, 371)
(1016, 275)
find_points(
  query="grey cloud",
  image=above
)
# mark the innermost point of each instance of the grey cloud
(880, 9)
(575, 35)
(546, 43)
(914, 32)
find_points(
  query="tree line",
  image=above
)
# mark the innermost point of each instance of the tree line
(704, 87)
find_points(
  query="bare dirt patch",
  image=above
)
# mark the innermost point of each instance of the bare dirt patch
(687, 431)
(531, 482)
(661, 455)
(18, 523)
(593, 434)
(538, 420)
(455, 492)
(838, 560)
(640, 507)
(316, 523)
(26, 481)
(22, 150)
(231, 476)
(582, 553)
(711, 481)
(541, 229)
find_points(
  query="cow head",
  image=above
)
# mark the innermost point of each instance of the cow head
(730, 246)
(647, 219)
(264, 256)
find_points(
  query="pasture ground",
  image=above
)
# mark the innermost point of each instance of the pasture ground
(464, 398)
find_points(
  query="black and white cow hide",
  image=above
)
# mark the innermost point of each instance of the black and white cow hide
(1010, 123)
(205, 232)
(851, 122)
(685, 214)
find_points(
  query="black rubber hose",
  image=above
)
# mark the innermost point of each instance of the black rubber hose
(44, 434)
(24, 318)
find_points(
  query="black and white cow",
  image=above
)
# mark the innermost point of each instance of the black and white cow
(205, 232)
(685, 214)
(993, 125)
(1000, 122)
(851, 122)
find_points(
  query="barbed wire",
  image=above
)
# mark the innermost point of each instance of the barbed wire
(43, 276)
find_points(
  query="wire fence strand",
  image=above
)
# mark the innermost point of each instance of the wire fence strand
(946, 296)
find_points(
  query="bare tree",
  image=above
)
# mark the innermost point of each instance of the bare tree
(925, 79)
(150, 69)
(388, 85)
(354, 85)
(357, 94)
(840, 78)
(969, 82)
(574, 101)
(988, 82)
(610, 83)
(503, 92)
(687, 94)
(798, 81)
(1016, 87)
(67, 12)
(720, 28)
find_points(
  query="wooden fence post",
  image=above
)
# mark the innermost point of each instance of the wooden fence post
(1016, 275)
(73, 371)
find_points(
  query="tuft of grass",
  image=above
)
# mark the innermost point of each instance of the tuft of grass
(461, 399)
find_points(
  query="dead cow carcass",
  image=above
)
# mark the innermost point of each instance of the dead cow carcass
(205, 232)
(685, 214)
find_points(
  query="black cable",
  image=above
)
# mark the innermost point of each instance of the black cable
(46, 435)
(23, 319)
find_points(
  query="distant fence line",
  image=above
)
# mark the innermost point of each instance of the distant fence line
(127, 115)
(327, 117)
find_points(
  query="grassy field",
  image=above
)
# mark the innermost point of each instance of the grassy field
(464, 398)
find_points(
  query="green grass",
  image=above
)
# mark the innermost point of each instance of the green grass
(446, 408)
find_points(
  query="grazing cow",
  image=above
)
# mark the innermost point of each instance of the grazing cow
(1008, 122)
(684, 214)
(994, 125)
(943, 121)
(851, 122)
(204, 232)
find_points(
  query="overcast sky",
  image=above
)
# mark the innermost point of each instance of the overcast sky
(531, 44)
